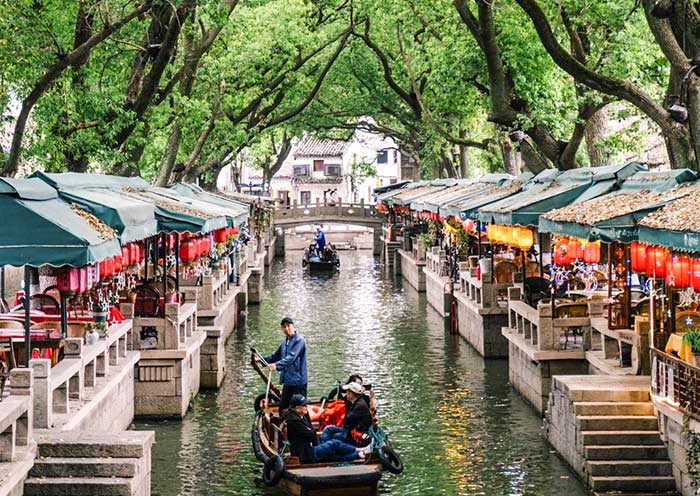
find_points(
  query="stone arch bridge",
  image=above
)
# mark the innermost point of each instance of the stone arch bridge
(358, 214)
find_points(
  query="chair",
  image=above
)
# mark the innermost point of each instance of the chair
(571, 310)
(7, 363)
(11, 324)
(532, 269)
(147, 301)
(504, 270)
(601, 277)
(44, 303)
(536, 288)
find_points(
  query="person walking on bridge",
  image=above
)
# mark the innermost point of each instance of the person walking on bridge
(290, 361)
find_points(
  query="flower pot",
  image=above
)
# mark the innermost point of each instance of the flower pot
(171, 298)
(99, 315)
(92, 337)
(131, 297)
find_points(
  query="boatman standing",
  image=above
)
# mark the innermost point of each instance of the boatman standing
(320, 240)
(290, 361)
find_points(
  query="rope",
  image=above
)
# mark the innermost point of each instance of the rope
(377, 437)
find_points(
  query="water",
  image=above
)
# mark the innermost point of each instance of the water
(458, 425)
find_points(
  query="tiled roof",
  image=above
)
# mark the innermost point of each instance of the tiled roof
(315, 180)
(617, 204)
(314, 147)
(679, 215)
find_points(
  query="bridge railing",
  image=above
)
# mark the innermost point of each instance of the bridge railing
(298, 211)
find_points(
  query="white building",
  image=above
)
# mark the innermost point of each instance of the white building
(319, 169)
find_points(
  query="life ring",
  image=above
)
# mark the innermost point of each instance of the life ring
(257, 404)
(257, 445)
(273, 470)
(304, 263)
(390, 460)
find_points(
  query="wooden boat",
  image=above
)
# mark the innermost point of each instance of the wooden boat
(357, 478)
(329, 263)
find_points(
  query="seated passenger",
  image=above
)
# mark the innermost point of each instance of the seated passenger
(304, 442)
(357, 418)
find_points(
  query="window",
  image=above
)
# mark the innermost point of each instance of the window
(301, 170)
(383, 157)
(305, 197)
(318, 165)
(393, 181)
(333, 170)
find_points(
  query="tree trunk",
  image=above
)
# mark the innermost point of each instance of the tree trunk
(510, 157)
(464, 172)
(532, 159)
(170, 156)
(596, 131)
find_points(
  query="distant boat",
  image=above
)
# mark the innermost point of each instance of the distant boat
(328, 262)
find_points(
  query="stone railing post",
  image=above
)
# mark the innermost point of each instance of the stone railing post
(72, 350)
(22, 384)
(547, 338)
(172, 327)
(41, 369)
(206, 296)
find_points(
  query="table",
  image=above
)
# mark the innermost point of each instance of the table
(675, 343)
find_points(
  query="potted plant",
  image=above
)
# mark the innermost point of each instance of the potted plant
(101, 328)
(171, 296)
(92, 336)
(100, 311)
(692, 339)
(130, 295)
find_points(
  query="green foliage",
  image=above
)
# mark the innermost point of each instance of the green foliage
(692, 339)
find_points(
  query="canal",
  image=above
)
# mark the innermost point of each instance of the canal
(458, 425)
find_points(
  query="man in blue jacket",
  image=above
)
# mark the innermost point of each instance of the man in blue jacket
(320, 241)
(290, 361)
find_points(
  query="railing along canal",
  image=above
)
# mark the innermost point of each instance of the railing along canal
(676, 381)
(298, 211)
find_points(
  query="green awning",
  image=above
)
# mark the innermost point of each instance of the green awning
(432, 201)
(176, 215)
(614, 216)
(677, 240)
(132, 219)
(236, 211)
(553, 189)
(491, 187)
(41, 229)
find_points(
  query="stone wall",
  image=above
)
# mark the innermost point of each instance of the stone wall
(481, 327)
(99, 413)
(438, 292)
(412, 270)
(533, 379)
(168, 379)
(560, 427)
(213, 358)
(671, 428)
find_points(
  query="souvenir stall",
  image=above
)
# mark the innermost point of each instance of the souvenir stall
(596, 259)
(48, 236)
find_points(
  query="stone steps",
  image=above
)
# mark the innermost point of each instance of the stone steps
(617, 422)
(625, 484)
(67, 444)
(84, 467)
(84, 463)
(611, 468)
(614, 408)
(626, 452)
(616, 438)
(77, 486)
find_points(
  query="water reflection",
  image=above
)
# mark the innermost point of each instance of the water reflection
(458, 425)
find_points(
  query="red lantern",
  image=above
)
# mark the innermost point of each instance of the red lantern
(575, 249)
(172, 237)
(561, 253)
(234, 231)
(638, 256)
(591, 253)
(68, 280)
(678, 271)
(126, 257)
(117, 264)
(695, 274)
(84, 280)
(656, 261)
(134, 253)
(220, 235)
(187, 251)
